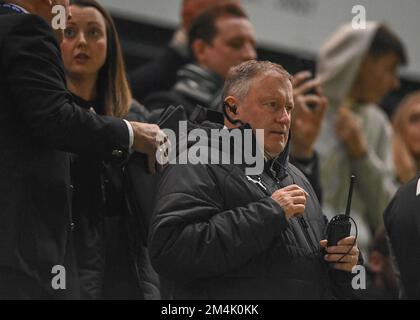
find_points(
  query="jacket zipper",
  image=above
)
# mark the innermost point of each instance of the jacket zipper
(303, 224)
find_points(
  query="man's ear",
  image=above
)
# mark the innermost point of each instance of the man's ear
(199, 50)
(232, 108)
(232, 104)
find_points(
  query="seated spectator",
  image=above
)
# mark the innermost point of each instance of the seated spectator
(160, 74)
(406, 122)
(96, 78)
(219, 233)
(357, 67)
(220, 38)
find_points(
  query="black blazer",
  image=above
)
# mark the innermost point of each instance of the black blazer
(39, 123)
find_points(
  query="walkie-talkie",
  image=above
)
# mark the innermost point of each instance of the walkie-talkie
(339, 226)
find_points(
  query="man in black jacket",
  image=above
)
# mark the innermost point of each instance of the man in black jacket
(402, 222)
(223, 37)
(222, 233)
(38, 124)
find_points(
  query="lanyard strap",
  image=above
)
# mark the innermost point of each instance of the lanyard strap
(12, 7)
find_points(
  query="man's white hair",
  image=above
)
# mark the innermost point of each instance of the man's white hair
(239, 78)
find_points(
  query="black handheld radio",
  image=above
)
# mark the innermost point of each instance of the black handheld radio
(339, 226)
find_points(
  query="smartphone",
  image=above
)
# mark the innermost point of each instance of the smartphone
(305, 64)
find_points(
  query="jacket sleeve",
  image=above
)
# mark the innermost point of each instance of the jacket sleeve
(194, 236)
(35, 78)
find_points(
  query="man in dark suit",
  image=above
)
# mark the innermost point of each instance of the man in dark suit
(39, 123)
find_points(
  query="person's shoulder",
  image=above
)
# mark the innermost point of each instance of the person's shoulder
(179, 178)
(8, 22)
(405, 204)
(37, 24)
(27, 35)
(293, 170)
(412, 189)
(162, 99)
(299, 178)
(137, 112)
(27, 27)
(186, 165)
(30, 21)
(376, 113)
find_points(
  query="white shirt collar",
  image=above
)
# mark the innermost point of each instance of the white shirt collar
(418, 188)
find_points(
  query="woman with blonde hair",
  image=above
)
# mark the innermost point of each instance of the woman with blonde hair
(406, 146)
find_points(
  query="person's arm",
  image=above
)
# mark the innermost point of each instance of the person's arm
(35, 78)
(375, 176)
(193, 236)
(307, 118)
(371, 161)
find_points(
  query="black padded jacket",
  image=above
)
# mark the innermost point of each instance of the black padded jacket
(217, 234)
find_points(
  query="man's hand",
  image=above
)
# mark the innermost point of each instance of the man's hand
(292, 199)
(146, 140)
(335, 253)
(349, 131)
(306, 122)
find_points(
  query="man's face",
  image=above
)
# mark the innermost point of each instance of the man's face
(268, 105)
(412, 130)
(378, 77)
(233, 44)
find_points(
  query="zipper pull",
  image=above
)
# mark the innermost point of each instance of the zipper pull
(303, 222)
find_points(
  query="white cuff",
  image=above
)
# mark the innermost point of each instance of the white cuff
(130, 133)
(418, 188)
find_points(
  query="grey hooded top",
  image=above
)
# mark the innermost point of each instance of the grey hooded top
(339, 61)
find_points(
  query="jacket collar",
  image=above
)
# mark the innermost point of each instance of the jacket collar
(200, 85)
(88, 105)
(277, 166)
(209, 119)
(13, 7)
